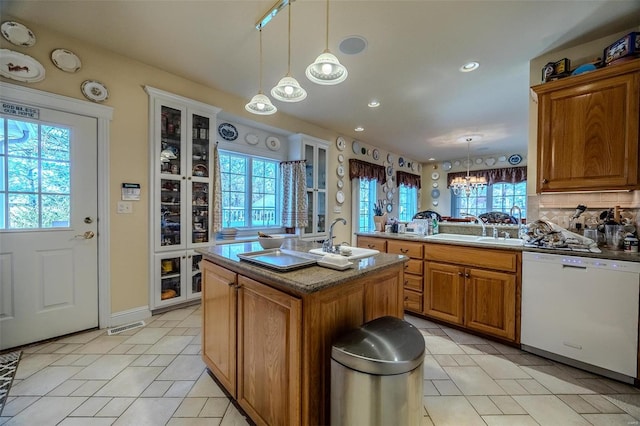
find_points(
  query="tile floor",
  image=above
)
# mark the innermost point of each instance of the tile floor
(154, 376)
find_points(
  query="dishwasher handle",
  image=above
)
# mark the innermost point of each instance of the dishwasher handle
(574, 266)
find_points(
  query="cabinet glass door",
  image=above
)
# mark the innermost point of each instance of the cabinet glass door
(170, 212)
(199, 212)
(322, 208)
(200, 146)
(310, 157)
(310, 210)
(322, 171)
(170, 277)
(195, 274)
(171, 147)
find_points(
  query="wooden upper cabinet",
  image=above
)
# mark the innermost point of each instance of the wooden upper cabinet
(588, 130)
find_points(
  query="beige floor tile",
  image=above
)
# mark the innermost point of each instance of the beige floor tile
(86, 360)
(597, 385)
(549, 410)
(102, 344)
(66, 360)
(554, 379)
(484, 405)
(445, 360)
(87, 421)
(498, 367)
(31, 364)
(506, 349)
(89, 388)
(16, 405)
(533, 387)
(156, 389)
(169, 345)
(143, 360)
(193, 331)
(215, 407)
(461, 337)
(171, 323)
(105, 367)
(232, 417)
(485, 349)
(473, 381)
(527, 359)
(179, 331)
(83, 338)
(432, 369)
(44, 381)
(192, 350)
(420, 322)
(578, 404)
(619, 387)
(463, 360)
(429, 388)
(131, 381)
(629, 403)
(512, 387)
(91, 406)
(147, 336)
(433, 332)
(68, 348)
(191, 321)
(602, 404)
(139, 349)
(46, 411)
(115, 407)
(121, 349)
(148, 411)
(507, 404)
(610, 419)
(511, 420)
(441, 346)
(446, 387)
(67, 388)
(176, 314)
(205, 386)
(162, 360)
(452, 411)
(183, 367)
(190, 421)
(190, 407)
(179, 389)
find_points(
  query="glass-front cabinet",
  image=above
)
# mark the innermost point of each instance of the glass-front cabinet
(182, 133)
(314, 151)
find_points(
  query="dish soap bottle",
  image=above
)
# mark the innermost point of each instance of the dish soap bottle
(435, 226)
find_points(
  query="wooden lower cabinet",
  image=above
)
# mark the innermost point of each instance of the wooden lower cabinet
(269, 347)
(490, 302)
(413, 272)
(373, 243)
(282, 356)
(444, 292)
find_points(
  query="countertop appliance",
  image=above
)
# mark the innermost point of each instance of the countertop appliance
(582, 311)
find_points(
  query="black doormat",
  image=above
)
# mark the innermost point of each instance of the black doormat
(8, 368)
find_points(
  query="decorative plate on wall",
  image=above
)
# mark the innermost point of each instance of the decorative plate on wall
(435, 193)
(435, 175)
(340, 183)
(341, 143)
(340, 197)
(94, 91)
(16, 66)
(18, 34)
(341, 158)
(390, 158)
(355, 147)
(515, 159)
(228, 132)
(389, 208)
(446, 166)
(66, 60)
(252, 139)
(273, 143)
(376, 154)
(340, 171)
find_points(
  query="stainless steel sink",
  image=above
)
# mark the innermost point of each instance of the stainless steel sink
(356, 253)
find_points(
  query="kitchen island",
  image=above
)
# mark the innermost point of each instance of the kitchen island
(267, 335)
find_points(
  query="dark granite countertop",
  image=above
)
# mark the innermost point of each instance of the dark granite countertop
(606, 253)
(299, 281)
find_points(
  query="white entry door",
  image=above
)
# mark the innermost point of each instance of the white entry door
(48, 226)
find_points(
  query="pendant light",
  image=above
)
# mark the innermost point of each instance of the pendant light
(468, 184)
(326, 69)
(261, 104)
(288, 89)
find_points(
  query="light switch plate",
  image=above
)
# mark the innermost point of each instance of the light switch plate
(337, 209)
(125, 207)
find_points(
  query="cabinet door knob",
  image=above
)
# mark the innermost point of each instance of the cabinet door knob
(467, 275)
(370, 246)
(460, 274)
(405, 251)
(406, 298)
(231, 284)
(545, 181)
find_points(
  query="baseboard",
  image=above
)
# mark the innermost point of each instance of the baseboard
(131, 315)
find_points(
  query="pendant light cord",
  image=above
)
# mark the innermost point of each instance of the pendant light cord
(289, 59)
(327, 36)
(261, 59)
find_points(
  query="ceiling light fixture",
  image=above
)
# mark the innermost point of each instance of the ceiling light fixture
(288, 89)
(468, 183)
(326, 69)
(469, 66)
(359, 129)
(271, 13)
(373, 104)
(261, 104)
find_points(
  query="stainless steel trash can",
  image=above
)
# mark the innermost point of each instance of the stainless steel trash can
(377, 375)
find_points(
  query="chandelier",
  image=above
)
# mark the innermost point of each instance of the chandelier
(468, 183)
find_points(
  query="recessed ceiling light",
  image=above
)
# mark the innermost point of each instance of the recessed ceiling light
(353, 45)
(373, 104)
(359, 129)
(431, 159)
(469, 66)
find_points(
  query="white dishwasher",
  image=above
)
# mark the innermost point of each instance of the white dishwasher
(582, 311)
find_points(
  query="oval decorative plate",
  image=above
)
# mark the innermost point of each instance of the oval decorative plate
(340, 158)
(389, 208)
(446, 165)
(515, 159)
(435, 193)
(340, 171)
(228, 132)
(66, 60)
(340, 197)
(478, 160)
(363, 151)
(435, 175)
(434, 184)
(390, 171)
(20, 67)
(18, 34)
(390, 158)
(414, 166)
(389, 195)
(252, 139)
(273, 143)
(341, 143)
(355, 147)
(376, 154)
(340, 183)
(400, 161)
(94, 91)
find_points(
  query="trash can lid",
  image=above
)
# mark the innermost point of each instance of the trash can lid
(384, 346)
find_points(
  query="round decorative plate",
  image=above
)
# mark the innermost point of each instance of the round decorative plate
(251, 138)
(400, 161)
(389, 208)
(515, 159)
(389, 195)
(390, 171)
(435, 175)
(435, 202)
(384, 188)
(340, 197)
(363, 151)
(341, 144)
(490, 161)
(390, 158)
(434, 184)
(355, 147)
(478, 160)
(66, 60)
(340, 171)
(376, 154)
(228, 132)
(435, 193)
(340, 183)
(94, 91)
(456, 163)
(502, 159)
(446, 166)
(340, 158)
(20, 67)
(414, 166)
(18, 34)
(200, 170)
(273, 143)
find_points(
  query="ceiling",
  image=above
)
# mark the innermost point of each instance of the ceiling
(410, 65)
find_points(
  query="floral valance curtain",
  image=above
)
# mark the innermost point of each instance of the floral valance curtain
(294, 197)
(508, 174)
(363, 170)
(408, 179)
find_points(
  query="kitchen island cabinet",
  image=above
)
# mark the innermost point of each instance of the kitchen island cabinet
(265, 330)
(588, 130)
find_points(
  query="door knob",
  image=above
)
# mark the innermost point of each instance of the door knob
(88, 219)
(87, 235)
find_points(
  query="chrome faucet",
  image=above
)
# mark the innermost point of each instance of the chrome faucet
(514, 207)
(327, 245)
(477, 219)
